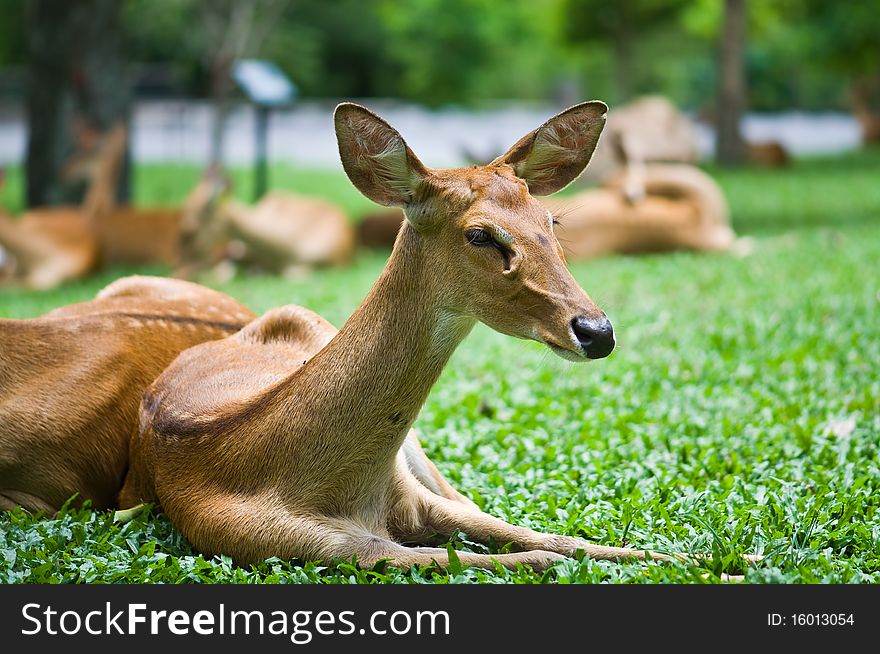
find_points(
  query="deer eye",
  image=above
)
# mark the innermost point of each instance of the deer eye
(479, 237)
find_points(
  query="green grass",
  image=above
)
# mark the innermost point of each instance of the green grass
(740, 413)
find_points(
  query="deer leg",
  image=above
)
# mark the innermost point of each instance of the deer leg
(435, 514)
(9, 499)
(424, 470)
(253, 529)
(405, 557)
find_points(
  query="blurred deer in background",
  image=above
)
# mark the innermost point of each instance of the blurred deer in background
(645, 207)
(71, 382)
(291, 439)
(283, 233)
(863, 95)
(49, 245)
(378, 229)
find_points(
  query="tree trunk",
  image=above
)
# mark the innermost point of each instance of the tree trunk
(862, 91)
(732, 94)
(221, 89)
(623, 65)
(78, 87)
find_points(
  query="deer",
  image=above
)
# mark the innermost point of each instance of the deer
(292, 439)
(49, 245)
(284, 233)
(71, 382)
(861, 93)
(378, 229)
(644, 207)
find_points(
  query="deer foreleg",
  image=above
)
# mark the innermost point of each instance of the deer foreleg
(439, 515)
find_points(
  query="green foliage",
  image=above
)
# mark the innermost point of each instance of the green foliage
(454, 51)
(334, 49)
(13, 45)
(800, 53)
(740, 412)
(844, 35)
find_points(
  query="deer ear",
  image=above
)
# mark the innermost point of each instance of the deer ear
(375, 157)
(553, 155)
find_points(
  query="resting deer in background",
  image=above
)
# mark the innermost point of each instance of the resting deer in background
(71, 382)
(283, 233)
(291, 439)
(50, 245)
(644, 207)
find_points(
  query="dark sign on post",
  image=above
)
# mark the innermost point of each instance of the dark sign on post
(267, 87)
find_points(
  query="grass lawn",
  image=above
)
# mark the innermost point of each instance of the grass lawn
(740, 412)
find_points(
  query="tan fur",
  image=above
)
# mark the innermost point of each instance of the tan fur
(768, 154)
(71, 382)
(378, 229)
(50, 245)
(135, 235)
(291, 439)
(653, 124)
(46, 247)
(282, 231)
(658, 208)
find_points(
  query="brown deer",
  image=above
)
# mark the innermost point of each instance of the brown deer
(644, 207)
(283, 233)
(863, 93)
(768, 154)
(49, 245)
(378, 229)
(661, 131)
(71, 382)
(291, 439)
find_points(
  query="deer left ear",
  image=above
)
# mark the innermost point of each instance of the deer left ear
(552, 156)
(376, 158)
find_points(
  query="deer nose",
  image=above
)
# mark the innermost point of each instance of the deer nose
(595, 335)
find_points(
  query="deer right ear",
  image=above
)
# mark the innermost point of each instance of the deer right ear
(375, 157)
(552, 156)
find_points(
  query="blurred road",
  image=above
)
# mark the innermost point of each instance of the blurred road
(178, 131)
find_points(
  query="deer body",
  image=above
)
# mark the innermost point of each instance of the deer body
(282, 232)
(47, 246)
(71, 382)
(50, 245)
(657, 208)
(290, 439)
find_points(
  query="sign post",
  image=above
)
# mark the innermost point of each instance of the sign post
(268, 88)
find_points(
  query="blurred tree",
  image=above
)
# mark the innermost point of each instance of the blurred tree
(619, 25)
(231, 30)
(845, 39)
(334, 49)
(730, 147)
(466, 51)
(78, 88)
(13, 44)
(166, 34)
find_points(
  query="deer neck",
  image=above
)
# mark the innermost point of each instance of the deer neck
(375, 374)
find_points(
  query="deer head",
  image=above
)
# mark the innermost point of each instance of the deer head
(489, 244)
(201, 229)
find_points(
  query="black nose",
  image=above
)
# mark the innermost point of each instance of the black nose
(595, 335)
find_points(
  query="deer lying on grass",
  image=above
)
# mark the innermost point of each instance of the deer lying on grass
(291, 439)
(378, 229)
(645, 207)
(50, 245)
(71, 382)
(283, 233)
